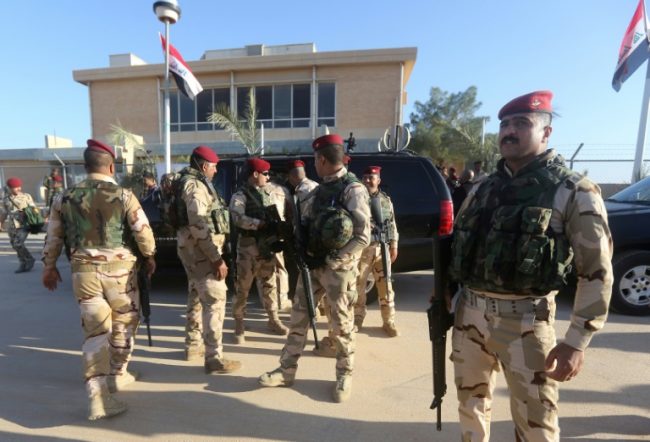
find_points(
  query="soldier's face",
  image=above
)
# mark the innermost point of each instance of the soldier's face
(522, 137)
(261, 178)
(209, 170)
(372, 182)
(15, 190)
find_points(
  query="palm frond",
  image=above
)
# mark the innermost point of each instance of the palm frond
(246, 132)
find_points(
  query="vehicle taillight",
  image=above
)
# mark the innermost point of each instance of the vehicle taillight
(446, 217)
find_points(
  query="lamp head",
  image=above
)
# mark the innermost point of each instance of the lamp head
(167, 11)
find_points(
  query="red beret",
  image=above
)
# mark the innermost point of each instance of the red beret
(538, 101)
(327, 140)
(292, 164)
(258, 165)
(14, 182)
(98, 146)
(347, 159)
(372, 170)
(206, 153)
(58, 178)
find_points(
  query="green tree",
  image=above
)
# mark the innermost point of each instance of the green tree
(447, 129)
(143, 161)
(245, 131)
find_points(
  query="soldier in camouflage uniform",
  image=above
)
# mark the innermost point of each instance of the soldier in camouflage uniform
(50, 183)
(516, 236)
(14, 203)
(55, 190)
(337, 216)
(102, 227)
(371, 259)
(203, 225)
(257, 243)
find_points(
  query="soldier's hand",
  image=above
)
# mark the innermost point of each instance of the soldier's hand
(150, 266)
(564, 362)
(393, 254)
(51, 278)
(220, 269)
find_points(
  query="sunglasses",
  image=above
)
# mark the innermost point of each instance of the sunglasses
(265, 173)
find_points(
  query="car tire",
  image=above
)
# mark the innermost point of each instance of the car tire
(631, 290)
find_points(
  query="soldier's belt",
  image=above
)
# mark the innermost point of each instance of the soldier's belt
(80, 267)
(497, 306)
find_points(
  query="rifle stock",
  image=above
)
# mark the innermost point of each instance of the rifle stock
(440, 320)
(382, 233)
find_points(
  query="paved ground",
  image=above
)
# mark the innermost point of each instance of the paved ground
(42, 397)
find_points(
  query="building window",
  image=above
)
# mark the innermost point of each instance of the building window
(278, 106)
(190, 116)
(326, 104)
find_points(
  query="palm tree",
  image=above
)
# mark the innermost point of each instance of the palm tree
(245, 131)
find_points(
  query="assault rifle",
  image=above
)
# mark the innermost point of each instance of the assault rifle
(144, 286)
(440, 320)
(295, 243)
(381, 230)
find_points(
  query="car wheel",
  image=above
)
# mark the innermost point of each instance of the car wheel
(631, 291)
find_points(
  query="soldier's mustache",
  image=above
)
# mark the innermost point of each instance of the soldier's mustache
(509, 139)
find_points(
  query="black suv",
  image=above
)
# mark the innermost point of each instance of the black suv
(628, 212)
(418, 191)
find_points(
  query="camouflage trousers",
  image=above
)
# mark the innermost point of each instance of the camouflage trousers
(371, 261)
(206, 303)
(492, 335)
(109, 302)
(251, 265)
(340, 287)
(17, 238)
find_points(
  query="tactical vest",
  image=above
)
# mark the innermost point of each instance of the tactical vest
(503, 241)
(328, 210)
(387, 218)
(218, 217)
(94, 216)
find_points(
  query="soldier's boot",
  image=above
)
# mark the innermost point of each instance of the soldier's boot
(358, 323)
(343, 388)
(276, 326)
(390, 329)
(29, 264)
(326, 348)
(21, 268)
(194, 352)
(276, 378)
(221, 366)
(239, 331)
(118, 382)
(103, 404)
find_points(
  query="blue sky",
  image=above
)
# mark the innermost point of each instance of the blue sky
(504, 47)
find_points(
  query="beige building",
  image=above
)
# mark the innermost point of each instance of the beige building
(297, 90)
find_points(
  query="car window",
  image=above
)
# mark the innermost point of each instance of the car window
(638, 192)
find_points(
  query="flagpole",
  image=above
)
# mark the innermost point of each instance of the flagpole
(643, 123)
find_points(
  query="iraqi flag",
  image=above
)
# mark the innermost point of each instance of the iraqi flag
(185, 79)
(634, 48)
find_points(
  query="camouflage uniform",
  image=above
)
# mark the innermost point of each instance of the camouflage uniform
(303, 189)
(255, 259)
(499, 327)
(100, 223)
(371, 261)
(14, 207)
(200, 244)
(336, 278)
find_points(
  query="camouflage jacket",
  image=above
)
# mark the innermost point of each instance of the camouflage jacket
(355, 200)
(13, 209)
(132, 218)
(578, 212)
(388, 213)
(270, 194)
(303, 189)
(200, 201)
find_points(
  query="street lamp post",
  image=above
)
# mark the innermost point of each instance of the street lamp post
(167, 12)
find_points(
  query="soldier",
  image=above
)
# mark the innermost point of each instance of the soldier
(337, 216)
(203, 223)
(257, 243)
(516, 236)
(371, 259)
(151, 198)
(15, 202)
(49, 184)
(56, 188)
(101, 225)
(299, 184)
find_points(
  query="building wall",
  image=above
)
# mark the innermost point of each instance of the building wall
(366, 101)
